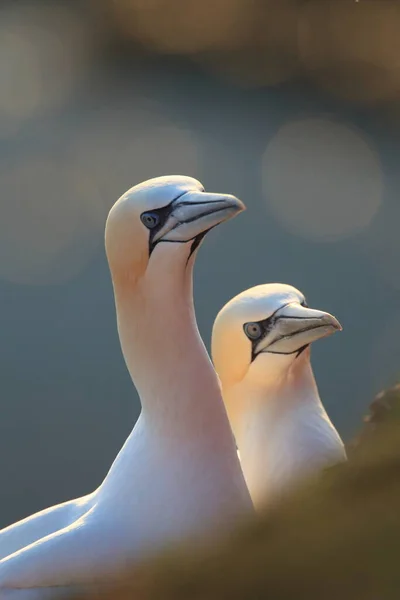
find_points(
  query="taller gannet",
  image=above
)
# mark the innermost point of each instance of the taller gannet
(178, 472)
(260, 349)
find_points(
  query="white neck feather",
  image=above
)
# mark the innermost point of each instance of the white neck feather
(183, 427)
(165, 354)
(283, 433)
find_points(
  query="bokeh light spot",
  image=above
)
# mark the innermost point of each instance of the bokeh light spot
(352, 50)
(43, 53)
(51, 222)
(119, 148)
(322, 180)
(186, 26)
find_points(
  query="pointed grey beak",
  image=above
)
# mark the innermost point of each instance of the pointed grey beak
(296, 326)
(195, 213)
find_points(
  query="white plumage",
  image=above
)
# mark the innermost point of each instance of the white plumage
(178, 472)
(260, 348)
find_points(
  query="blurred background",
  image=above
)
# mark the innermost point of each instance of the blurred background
(292, 105)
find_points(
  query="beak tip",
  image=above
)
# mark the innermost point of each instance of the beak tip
(240, 205)
(337, 325)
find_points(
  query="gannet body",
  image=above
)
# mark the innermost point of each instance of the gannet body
(178, 472)
(260, 348)
(29, 530)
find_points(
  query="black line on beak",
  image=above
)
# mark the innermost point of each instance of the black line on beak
(196, 243)
(164, 212)
(266, 325)
(301, 350)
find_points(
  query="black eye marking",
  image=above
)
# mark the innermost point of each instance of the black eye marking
(304, 303)
(155, 219)
(255, 331)
(150, 219)
(265, 327)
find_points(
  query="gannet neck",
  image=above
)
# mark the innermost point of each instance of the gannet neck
(164, 352)
(283, 432)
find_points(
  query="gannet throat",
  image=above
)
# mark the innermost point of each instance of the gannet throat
(260, 348)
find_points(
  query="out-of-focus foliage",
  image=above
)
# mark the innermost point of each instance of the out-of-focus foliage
(336, 538)
(350, 48)
(384, 413)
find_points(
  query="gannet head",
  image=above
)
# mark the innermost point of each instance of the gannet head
(165, 215)
(260, 334)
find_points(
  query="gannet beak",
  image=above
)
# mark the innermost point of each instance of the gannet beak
(295, 326)
(195, 213)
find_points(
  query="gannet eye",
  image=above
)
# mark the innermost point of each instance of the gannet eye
(253, 330)
(150, 219)
(304, 303)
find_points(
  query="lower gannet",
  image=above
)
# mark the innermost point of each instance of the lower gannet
(178, 472)
(260, 349)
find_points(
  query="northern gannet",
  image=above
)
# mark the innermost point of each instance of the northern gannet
(260, 349)
(178, 472)
(336, 539)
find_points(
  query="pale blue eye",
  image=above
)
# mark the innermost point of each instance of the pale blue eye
(150, 219)
(253, 330)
